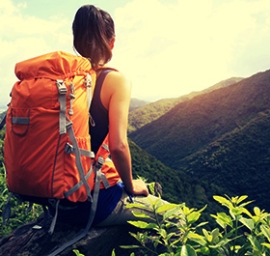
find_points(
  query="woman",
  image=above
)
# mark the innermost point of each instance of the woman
(94, 37)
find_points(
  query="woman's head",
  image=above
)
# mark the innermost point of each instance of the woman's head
(93, 34)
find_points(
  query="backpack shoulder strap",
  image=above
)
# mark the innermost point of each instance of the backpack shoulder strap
(3, 122)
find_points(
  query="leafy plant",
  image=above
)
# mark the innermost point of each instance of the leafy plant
(175, 230)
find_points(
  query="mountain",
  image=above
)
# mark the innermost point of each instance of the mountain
(173, 183)
(189, 136)
(148, 113)
(193, 124)
(136, 103)
(177, 186)
(238, 161)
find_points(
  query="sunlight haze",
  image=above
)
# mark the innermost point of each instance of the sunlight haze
(166, 48)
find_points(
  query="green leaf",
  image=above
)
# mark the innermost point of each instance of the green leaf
(236, 211)
(139, 206)
(223, 219)
(257, 211)
(206, 235)
(162, 232)
(255, 243)
(240, 199)
(249, 223)
(168, 207)
(143, 224)
(113, 253)
(223, 201)
(267, 245)
(187, 250)
(215, 234)
(77, 252)
(193, 217)
(202, 224)
(202, 209)
(266, 231)
(197, 238)
(141, 215)
(212, 237)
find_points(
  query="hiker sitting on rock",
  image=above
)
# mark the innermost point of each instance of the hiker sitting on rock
(93, 38)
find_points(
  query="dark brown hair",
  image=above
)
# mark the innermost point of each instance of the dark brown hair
(93, 30)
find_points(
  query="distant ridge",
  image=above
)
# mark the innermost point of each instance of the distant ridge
(193, 124)
(148, 113)
(136, 103)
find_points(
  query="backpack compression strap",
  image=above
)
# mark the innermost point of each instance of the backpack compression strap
(62, 89)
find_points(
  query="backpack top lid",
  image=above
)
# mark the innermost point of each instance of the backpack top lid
(57, 64)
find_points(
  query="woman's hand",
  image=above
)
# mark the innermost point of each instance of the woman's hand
(140, 188)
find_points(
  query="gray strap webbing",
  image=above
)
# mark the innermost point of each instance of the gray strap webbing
(20, 120)
(78, 158)
(104, 180)
(105, 146)
(88, 84)
(69, 149)
(90, 154)
(92, 213)
(54, 218)
(78, 185)
(62, 89)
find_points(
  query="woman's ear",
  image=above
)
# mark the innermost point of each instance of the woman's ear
(112, 43)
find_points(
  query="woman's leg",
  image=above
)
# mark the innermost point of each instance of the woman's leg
(121, 214)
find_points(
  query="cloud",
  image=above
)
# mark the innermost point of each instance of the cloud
(26, 36)
(172, 49)
(166, 48)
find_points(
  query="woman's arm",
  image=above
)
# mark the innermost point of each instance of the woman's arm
(118, 89)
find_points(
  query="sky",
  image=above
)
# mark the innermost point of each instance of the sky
(166, 48)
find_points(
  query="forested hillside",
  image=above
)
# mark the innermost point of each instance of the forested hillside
(191, 125)
(177, 186)
(146, 114)
(221, 137)
(238, 161)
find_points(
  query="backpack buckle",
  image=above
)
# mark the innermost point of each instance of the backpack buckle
(62, 89)
(69, 149)
(88, 80)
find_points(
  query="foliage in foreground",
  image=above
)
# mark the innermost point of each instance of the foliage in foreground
(238, 232)
(20, 211)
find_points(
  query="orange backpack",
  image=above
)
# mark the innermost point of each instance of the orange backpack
(47, 148)
(47, 128)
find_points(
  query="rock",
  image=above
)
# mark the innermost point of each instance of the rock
(26, 240)
(31, 240)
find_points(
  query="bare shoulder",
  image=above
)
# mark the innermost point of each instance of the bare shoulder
(117, 79)
(116, 88)
(118, 76)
